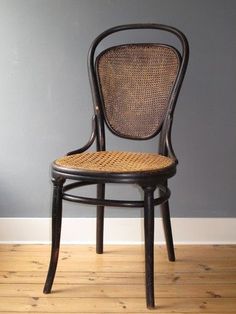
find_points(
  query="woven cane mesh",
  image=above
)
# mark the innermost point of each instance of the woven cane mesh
(117, 162)
(136, 81)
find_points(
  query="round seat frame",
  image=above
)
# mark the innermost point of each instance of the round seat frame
(143, 179)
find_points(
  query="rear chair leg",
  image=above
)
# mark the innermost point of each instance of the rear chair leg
(56, 232)
(100, 219)
(149, 244)
(165, 212)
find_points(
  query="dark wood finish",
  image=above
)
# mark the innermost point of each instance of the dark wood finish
(56, 232)
(100, 219)
(101, 201)
(165, 212)
(147, 180)
(149, 244)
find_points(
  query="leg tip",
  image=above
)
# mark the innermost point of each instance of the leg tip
(171, 256)
(151, 307)
(99, 249)
(46, 290)
(150, 302)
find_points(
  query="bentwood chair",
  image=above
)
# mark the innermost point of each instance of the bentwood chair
(134, 87)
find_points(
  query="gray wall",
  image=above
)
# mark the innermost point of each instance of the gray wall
(45, 102)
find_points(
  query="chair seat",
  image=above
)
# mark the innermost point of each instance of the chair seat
(115, 162)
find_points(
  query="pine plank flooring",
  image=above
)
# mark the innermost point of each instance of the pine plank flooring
(202, 280)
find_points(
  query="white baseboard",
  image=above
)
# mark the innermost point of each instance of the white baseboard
(119, 230)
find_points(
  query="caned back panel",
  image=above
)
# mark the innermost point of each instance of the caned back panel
(135, 82)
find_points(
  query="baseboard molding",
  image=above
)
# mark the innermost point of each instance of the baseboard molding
(119, 230)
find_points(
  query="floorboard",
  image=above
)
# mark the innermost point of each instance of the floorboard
(202, 280)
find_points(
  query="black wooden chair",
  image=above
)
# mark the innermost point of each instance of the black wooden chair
(134, 88)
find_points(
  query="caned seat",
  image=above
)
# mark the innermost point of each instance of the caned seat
(134, 87)
(116, 162)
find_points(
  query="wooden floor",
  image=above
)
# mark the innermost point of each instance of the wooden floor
(202, 280)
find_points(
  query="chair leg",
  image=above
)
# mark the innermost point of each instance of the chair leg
(56, 233)
(149, 245)
(100, 219)
(165, 212)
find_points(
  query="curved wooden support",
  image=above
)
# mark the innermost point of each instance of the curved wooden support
(168, 141)
(56, 232)
(90, 141)
(165, 143)
(164, 191)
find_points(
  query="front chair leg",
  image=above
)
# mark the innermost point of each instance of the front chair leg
(165, 212)
(100, 219)
(56, 232)
(149, 244)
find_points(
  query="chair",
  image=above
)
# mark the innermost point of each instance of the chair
(134, 88)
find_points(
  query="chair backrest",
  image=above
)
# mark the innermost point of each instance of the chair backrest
(135, 86)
